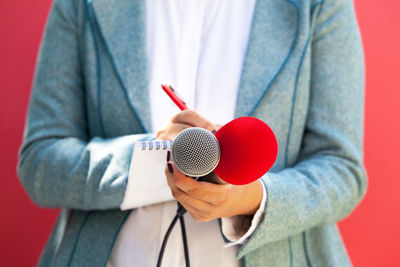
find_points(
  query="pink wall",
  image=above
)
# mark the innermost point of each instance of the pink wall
(371, 233)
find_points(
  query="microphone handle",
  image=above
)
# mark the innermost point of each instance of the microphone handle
(211, 178)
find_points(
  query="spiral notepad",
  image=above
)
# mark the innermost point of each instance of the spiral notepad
(147, 170)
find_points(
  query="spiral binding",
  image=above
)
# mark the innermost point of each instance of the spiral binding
(155, 145)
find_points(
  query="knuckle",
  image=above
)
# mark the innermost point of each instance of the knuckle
(224, 201)
(162, 136)
(189, 115)
(209, 126)
(159, 133)
(184, 116)
(173, 118)
(224, 196)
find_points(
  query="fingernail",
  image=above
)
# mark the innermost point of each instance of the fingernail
(214, 131)
(168, 155)
(170, 169)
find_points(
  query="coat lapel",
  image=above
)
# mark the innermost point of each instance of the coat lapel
(121, 25)
(272, 39)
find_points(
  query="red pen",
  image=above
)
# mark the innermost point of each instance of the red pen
(174, 96)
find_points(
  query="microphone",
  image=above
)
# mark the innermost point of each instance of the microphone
(241, 152)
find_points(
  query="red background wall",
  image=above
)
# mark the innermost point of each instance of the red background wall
(371, 233)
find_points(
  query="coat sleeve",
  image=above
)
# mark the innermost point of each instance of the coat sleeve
(59, 165)
(329, 179)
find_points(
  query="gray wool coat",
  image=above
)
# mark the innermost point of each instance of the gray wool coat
(303, 75)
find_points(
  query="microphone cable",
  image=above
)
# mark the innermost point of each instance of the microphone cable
(179, 215)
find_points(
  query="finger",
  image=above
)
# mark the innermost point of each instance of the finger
(200, 205)
(194, 119)
(171, 131)
(199, 210)
(208, 192)
(169, 176)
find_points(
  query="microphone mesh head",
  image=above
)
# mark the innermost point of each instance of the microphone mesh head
(195, 152)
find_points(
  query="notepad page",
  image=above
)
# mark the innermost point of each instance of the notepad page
(147, 183)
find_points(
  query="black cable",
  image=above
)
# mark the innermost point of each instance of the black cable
(164, 243)
(185, 246)
(181, 211)
(179, 214)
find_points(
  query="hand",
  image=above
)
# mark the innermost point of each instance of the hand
(206, 201)
(182, 120)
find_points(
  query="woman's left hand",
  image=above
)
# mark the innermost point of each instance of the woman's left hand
(206, 201)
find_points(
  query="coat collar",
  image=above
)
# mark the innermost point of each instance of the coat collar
(272, 38)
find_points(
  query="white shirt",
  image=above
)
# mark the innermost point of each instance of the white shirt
(198, 46)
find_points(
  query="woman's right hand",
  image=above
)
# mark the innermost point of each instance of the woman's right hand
(171, 130)
(182, 120)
